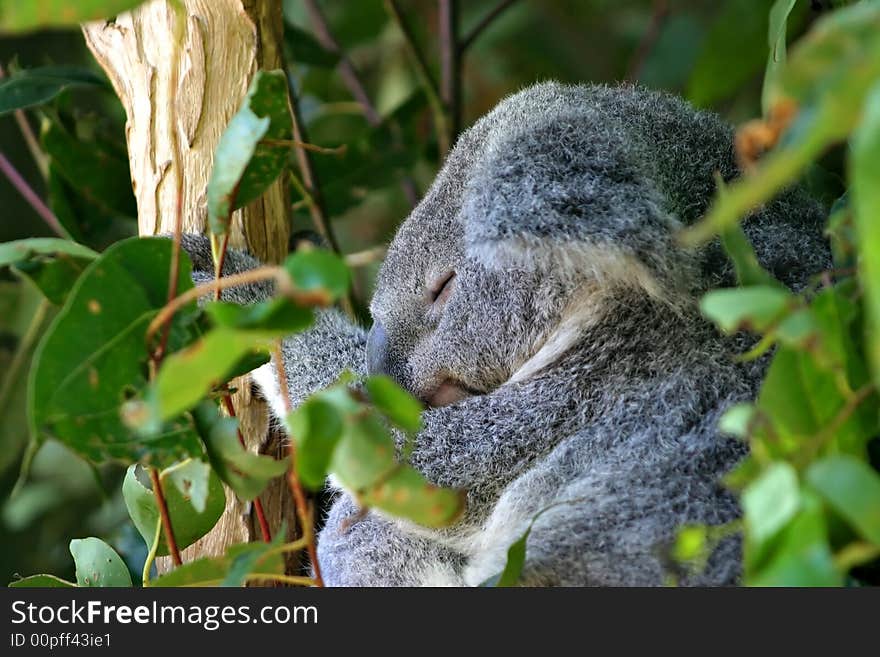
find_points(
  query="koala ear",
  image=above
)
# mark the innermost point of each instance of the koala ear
(565, 197)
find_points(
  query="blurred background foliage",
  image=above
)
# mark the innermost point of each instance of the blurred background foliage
(711, 51)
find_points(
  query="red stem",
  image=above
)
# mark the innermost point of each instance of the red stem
(258, 506)
(166, 518)
(296, 489)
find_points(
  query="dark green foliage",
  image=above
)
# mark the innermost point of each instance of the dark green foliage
(810, 492)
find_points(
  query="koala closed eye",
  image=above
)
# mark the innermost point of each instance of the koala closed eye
(440, 290)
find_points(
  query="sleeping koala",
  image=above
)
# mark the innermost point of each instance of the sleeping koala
(538, 303)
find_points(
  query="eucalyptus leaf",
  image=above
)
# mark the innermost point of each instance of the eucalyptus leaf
(24, 16)
(406, 493)
(243, 167)
(246, 473)
(395, 403)
(37, 86)
(770, 502)
(98, 564)
(865, 160)
(189, 525)
(94, 357)
(41, 582)
(852, 488)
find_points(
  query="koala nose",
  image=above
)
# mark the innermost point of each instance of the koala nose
(377, 350)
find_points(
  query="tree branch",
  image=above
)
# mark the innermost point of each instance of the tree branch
(347, 71)
(31, 197)
(478, 29)
(355, 86)
(423, 73)
(649, 39)
(450, 66)
(30, 139)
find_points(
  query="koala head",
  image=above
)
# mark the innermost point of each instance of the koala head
(492, 276)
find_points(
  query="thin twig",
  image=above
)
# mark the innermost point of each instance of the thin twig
(450, 66)
(649, 39)
(309, 178)
(30, 139)
(31, 197)
(258, 506)
(170, 541)
(283, 579)
(365, 257)
(423, 73)
(268, 272)
(352, 81)
(478, 29)
(314, 148)
(296, 489)
(347, 72)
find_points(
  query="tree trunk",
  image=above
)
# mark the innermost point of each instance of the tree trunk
(224, 43)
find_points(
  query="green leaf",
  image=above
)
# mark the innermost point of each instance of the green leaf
(748, 270)
(364, 455)
(395, 403)
(275, 317)
(852, 488)
(777, 41)
(41, 582)
(249, 558)
(303, 48)
(188, 524)
(770, 502)
(98, 172)
(38, 86)
(405, 493)
(98, 564)
(231, 569)
(800, 555)
(243, 167)
(316, 426)
(729, 57)
(93, 357)
(246, 473)
(319, 274)
(52, 265)
(186, 376)
(18, 16)
(798, 397)
(827, 76)
(754, 308)
(865, 160)
(191, 478)
(737, 420)
(516, 561)
(20, 250)
(841, 231)
(206, 571)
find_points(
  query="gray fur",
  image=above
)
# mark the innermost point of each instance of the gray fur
(585, 384)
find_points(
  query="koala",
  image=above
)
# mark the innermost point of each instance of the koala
(539, 304)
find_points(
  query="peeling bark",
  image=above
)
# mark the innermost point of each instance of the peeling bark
(225, 43)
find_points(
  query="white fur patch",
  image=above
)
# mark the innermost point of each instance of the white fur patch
(583, 311)
(266, 379)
